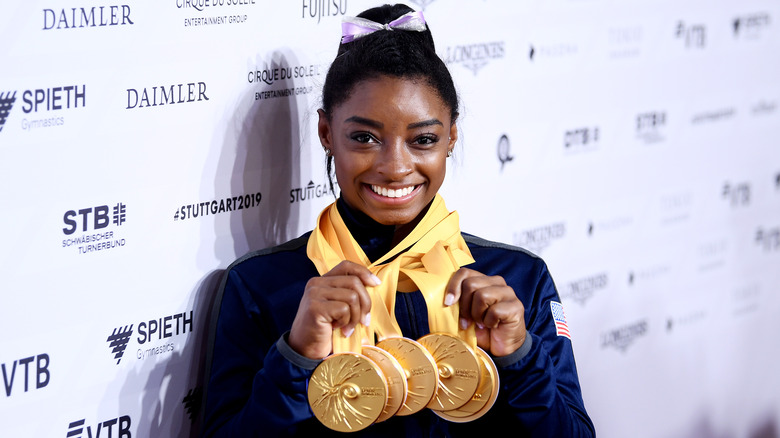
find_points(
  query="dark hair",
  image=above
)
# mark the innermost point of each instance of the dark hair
(397, 53)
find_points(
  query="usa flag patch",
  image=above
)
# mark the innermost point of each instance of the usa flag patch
(561, 328)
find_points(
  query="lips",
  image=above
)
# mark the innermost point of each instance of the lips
(392, 193)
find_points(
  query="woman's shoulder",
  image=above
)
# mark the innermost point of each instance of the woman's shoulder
(498, 257)
(480, 243)
(523, 270)
(283, 253)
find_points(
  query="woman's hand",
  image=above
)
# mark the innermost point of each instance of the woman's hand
(336, 300)
(492, 306)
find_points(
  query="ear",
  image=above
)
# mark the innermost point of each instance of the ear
(323, 130)
(453, 136)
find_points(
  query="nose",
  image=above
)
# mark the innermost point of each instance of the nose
(395, 160)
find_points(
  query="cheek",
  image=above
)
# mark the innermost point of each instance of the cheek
(435, 169)
(346, 169)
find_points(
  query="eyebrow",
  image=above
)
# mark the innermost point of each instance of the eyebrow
(379, 125)
(425, 123)
(365, 121)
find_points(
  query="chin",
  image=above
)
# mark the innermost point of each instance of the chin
(397, 218)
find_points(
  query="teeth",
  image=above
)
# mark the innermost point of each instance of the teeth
(392, 193)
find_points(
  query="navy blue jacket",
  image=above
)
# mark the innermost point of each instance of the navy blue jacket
(257, 383)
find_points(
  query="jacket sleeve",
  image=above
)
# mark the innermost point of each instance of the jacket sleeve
(540, 390)
(254, 389)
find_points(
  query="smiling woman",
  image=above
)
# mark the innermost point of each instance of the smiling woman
(389, 142)
(386, 320)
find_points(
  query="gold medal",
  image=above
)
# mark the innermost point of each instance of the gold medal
(347, 392)
(459, 370)
(395, 377)
(420, 369)
(483, 399)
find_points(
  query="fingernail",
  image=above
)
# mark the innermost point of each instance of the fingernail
(375, 280)
(449, 299)
(480, 325)
(367, 320)
(347, 332)
(464, 324)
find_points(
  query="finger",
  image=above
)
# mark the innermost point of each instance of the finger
(503, 312)
(358, 278)
(453, 291)
(312, 330)
(472, 287)
(347, 267)
(349, 291)
(483, 338)
(483, 298)
(336, 313)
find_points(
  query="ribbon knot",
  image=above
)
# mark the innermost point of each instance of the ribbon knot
(353, 28)
(436, 251)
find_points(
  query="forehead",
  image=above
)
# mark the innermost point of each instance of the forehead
(392, 97)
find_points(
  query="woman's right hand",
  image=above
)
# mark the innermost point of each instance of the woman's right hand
(336, 300)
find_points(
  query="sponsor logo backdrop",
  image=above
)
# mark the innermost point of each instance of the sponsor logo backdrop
(146, 145)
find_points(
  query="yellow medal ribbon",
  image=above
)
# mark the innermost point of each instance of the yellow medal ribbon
(436, 250)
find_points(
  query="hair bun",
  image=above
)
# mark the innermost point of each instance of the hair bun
(398, 53)
(388, 13)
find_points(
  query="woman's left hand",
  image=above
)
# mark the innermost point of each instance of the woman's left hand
(493, 306)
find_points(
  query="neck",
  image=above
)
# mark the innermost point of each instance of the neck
(401, 231)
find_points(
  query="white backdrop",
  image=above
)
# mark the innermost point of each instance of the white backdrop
(632, 144)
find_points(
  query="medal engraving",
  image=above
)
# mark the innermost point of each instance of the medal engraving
(483, 399)
(395, 377)
(420, 369)
(347, 392)
(459, 370)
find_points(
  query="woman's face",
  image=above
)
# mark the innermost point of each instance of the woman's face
(389, 142)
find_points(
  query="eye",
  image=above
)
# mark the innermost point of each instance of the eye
(427, 139)
(363, 137)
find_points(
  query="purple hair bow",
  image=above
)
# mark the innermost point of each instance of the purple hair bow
(353, 28)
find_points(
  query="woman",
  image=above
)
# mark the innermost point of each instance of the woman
(387, 125)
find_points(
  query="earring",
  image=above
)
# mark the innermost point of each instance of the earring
(328, 153)
(449, 153)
